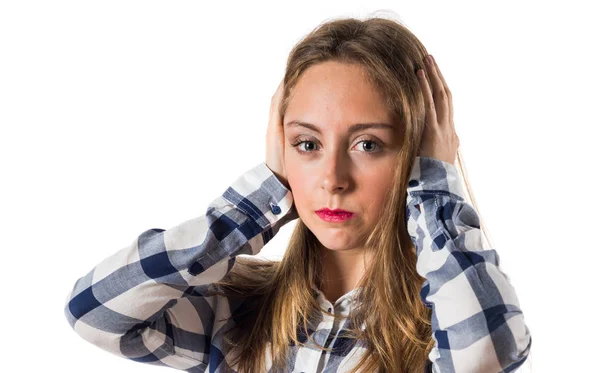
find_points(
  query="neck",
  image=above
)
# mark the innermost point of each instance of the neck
(343, 270)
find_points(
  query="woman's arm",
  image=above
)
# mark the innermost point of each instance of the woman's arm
(141, 302)
(477, 322)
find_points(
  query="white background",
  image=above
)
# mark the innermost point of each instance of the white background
(120, 116)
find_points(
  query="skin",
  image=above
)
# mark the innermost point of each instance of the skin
(440, 140)
(338, 168)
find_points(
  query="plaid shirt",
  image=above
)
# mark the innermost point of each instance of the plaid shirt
(145, 302)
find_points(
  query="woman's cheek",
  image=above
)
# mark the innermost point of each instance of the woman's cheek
(291, 170)
(300, 185)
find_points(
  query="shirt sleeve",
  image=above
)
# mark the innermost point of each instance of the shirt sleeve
(477, 322)
(143, 302)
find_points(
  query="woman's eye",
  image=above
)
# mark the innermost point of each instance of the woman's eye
(368, 147)
(302, 143)
(373, 145)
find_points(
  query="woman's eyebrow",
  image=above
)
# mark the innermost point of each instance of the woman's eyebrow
(353, 128)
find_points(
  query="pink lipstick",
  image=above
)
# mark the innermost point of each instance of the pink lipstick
(335, 215)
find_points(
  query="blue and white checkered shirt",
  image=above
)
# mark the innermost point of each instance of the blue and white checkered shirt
(145, 302)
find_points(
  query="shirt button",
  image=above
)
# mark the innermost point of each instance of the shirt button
(413, 183)
(275, 209)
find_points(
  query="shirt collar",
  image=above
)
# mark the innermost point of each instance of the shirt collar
(342, 305)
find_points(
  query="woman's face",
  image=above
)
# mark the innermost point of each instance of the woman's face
(333, 166)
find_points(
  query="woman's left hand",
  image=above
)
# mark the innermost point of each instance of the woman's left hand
(439, 137)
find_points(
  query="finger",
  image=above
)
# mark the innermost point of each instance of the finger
(278, 92)
(439, 92)
(275, 103)
(448, 93)
(430, 114)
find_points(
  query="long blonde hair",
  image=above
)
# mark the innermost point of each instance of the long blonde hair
(278, 301)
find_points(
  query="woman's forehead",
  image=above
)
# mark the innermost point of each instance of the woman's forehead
(336, 94)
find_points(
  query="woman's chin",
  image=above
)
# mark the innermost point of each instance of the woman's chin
(335, 241)
(333, 236)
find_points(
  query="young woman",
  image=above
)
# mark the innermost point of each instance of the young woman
(386, 269)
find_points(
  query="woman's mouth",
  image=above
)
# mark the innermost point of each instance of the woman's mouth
(334, 215)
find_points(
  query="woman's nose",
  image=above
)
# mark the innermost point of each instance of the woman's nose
(335, 172)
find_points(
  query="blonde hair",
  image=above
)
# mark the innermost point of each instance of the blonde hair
(278, 301)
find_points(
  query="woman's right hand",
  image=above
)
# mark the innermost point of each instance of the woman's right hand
(275, 139)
